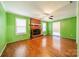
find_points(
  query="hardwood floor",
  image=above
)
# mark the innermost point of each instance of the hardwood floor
(49, 46)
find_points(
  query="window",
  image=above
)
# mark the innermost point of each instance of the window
(20, 26)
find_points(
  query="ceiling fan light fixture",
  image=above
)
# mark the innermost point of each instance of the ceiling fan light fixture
(51, 17)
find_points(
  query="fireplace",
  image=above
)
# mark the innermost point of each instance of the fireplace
(35, 26)
(36, 31)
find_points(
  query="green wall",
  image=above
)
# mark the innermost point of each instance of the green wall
(68, 28)
(49, 28)
(11, 28)
(2, 28)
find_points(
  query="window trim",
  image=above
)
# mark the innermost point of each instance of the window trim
(20, 26)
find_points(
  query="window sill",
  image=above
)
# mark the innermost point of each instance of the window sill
(20, 33)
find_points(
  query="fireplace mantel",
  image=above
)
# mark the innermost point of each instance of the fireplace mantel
(35, 24)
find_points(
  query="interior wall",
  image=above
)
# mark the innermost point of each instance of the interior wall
(2, 29)
(11, 28)
(68, 28)
(49, 28)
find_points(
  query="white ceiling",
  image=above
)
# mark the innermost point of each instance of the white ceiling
(35, 9)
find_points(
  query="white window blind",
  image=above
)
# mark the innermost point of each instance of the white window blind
(20, 26)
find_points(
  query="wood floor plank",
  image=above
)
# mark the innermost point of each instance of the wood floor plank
(49, 46)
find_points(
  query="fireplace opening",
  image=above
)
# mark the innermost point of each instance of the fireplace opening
(36, 31)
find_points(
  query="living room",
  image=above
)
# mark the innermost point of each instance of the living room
(38, 29)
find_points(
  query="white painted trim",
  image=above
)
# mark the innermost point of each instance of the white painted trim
(3, 6)
(3, 49)
(77, 24)
(77, 29)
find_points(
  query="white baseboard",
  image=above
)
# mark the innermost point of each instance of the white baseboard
(3, 50)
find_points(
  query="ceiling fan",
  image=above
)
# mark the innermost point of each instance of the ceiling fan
(51, 17)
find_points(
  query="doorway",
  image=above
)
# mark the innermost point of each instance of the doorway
(44, 28)
(56, 28)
